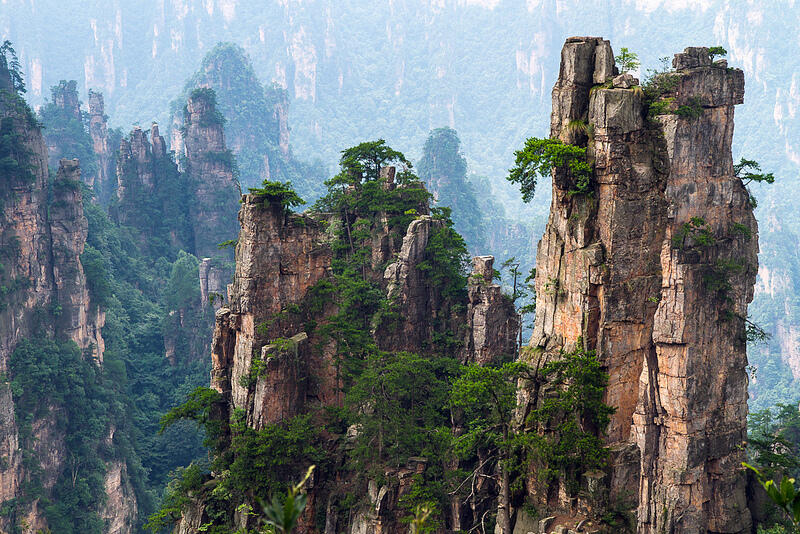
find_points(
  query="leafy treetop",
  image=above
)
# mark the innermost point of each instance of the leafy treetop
(539, 156)
(10, 63)
(716, 51)
(281, 192)
(626, 60)
(364, 161)
(744, 170)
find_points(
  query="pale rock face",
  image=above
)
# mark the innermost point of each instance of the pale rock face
(610, 274)
(494, 323)
(213, 283)
(98, 130)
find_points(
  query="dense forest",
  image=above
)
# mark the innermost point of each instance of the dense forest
(354, 325)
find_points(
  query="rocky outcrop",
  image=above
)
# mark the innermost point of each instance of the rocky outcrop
(78, 319)
(691, 419)
(44, 294)
(214, 278)
(103, 182)
(494, 322)
(278, 259)
(210, 166)
(620, 270)
(151, 195)
(120, 509)
(407, 287)
(270, 355)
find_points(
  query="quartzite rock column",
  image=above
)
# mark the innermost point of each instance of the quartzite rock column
(619, 270)
(692, 418)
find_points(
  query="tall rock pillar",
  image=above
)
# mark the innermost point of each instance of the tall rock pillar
(691, 421)
(211, 167)
(619, 269)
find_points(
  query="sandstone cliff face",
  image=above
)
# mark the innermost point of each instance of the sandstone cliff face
(211, 168)
(40, 246)
(494, 323)
(665, 314)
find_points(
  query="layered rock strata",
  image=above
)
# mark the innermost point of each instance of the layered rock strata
(620, 269)
(98, 130)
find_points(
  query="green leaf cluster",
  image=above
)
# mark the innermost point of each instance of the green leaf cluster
(278, 192)
(573, 417)
(540, 156)
(627, 61)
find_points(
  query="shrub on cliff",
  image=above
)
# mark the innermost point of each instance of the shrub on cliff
(540, 156)
(279, 192)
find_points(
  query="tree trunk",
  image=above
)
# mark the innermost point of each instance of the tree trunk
(504, 503)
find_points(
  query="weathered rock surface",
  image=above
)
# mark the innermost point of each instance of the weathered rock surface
(103, 181)
(266, 363)
(150, 190)
(609, 272)
(494, 322)
(41, 241)
(214, 277)
(211, 169)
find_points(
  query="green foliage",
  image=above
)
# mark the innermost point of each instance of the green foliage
(540, 156)
(212, 117)
(53, 379)
(446, 257)
(627, 61)
(692, 110)
(9, 63)
(280, 192)
(255, 118)
(487, 396)
(397, 402)
(183, 483)
(66, 131)
(263, 461)
(182, 289)
(660, 107)
(198, 407)
(744, 170)
(132, 288)
(694, 232)
(573, 417)
(159, 215)
(15, 163)
(714, 51)
(742, 230)
(773, 440)
(716, 278)
(364, 162)
(659, 82)
(96, 268)
(283, 515)
(784, 494)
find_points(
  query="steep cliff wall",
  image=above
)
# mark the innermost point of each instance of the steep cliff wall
(626, 270)
(151, 195)
(44, 295)
(103, 147)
